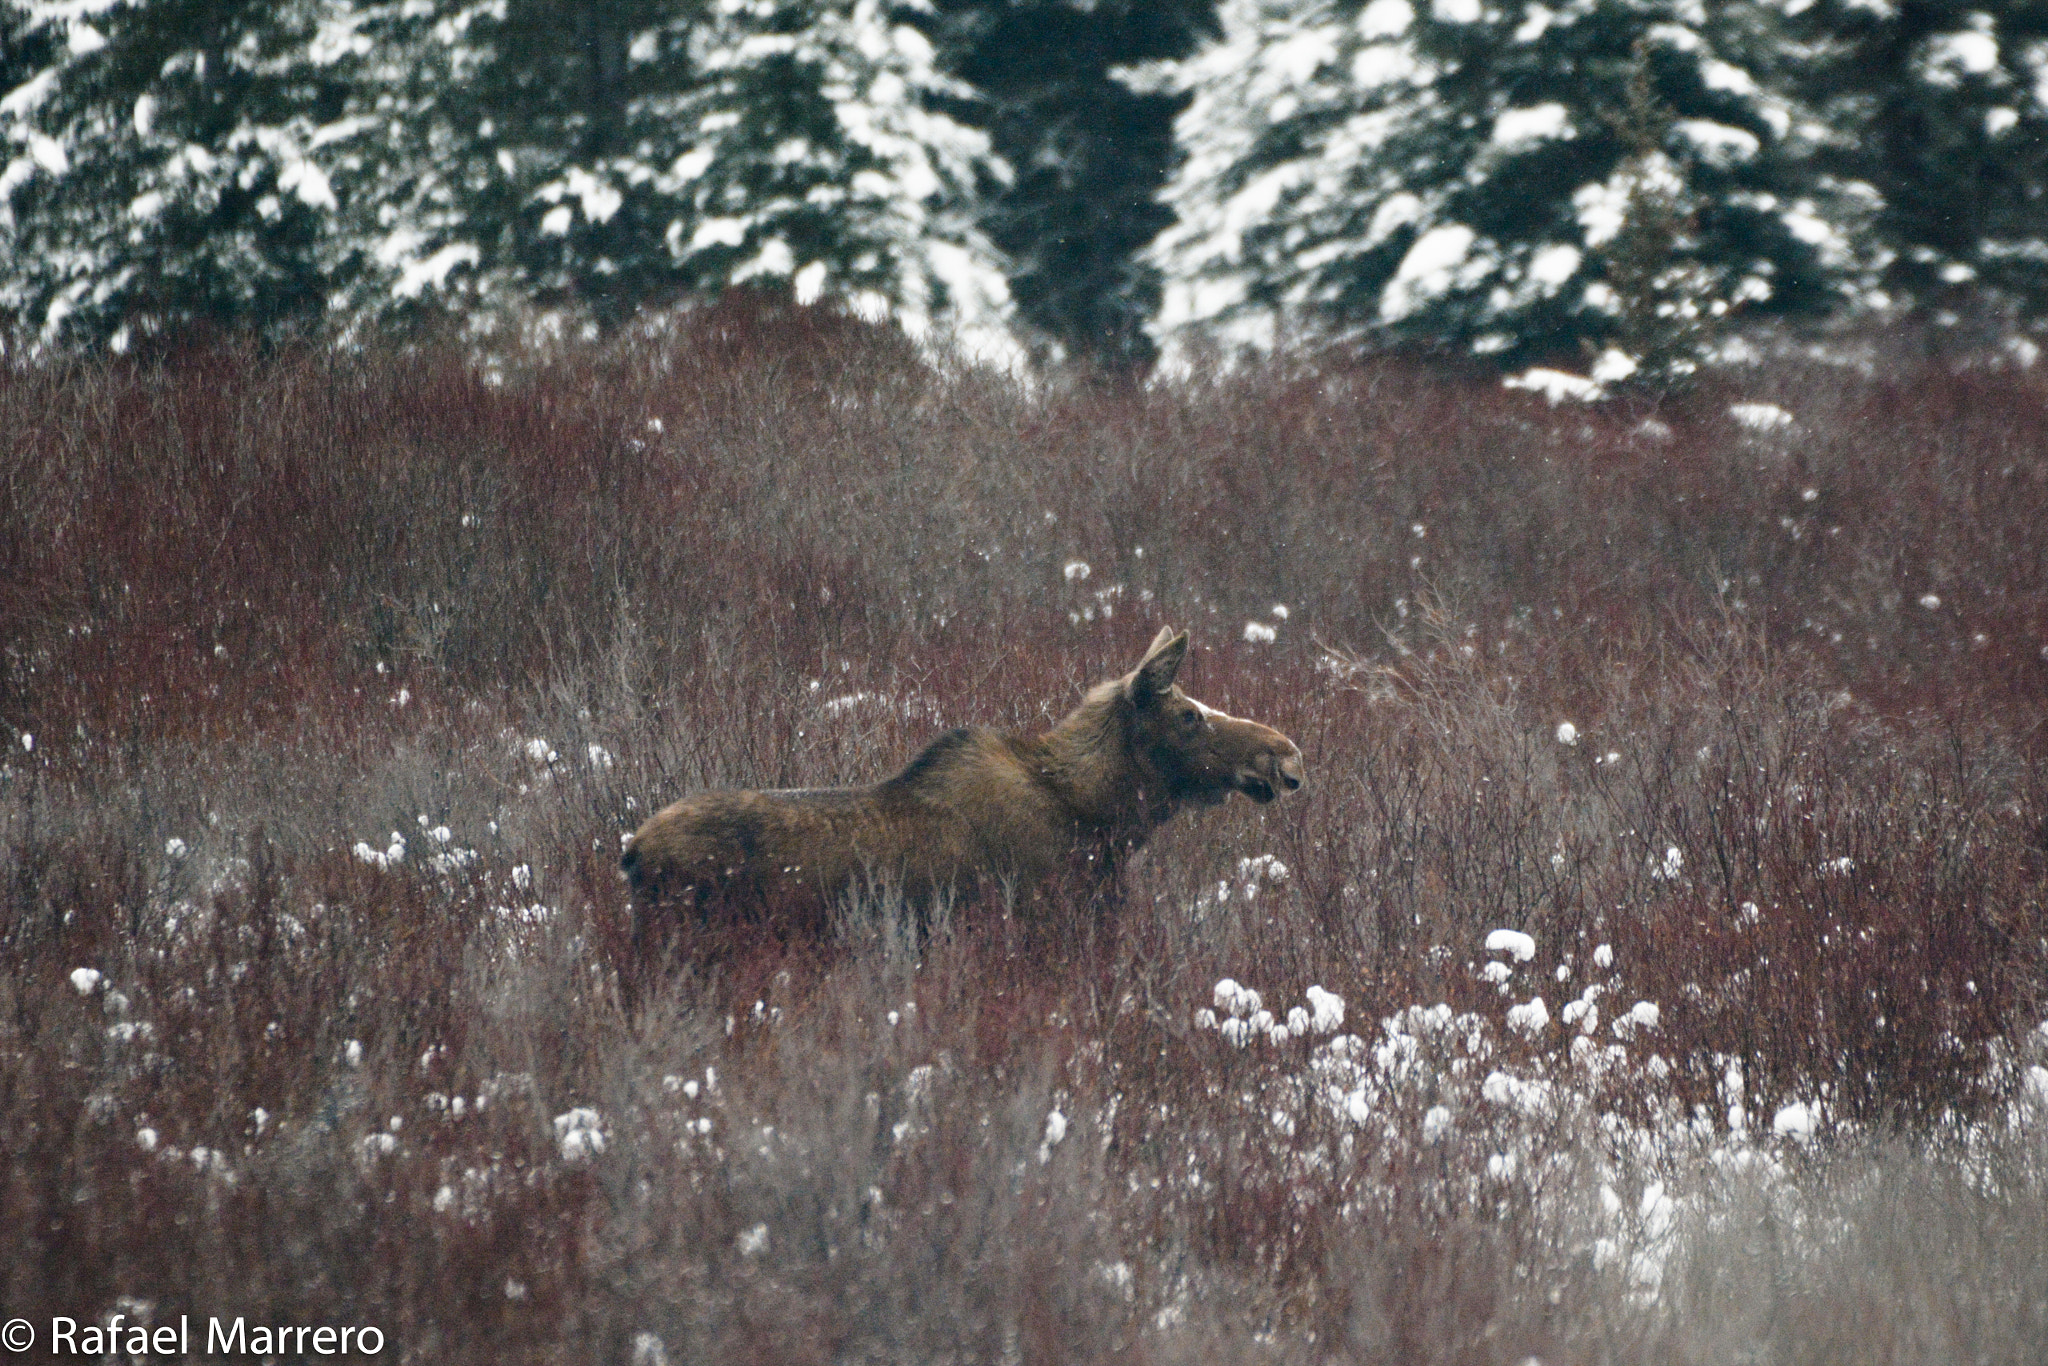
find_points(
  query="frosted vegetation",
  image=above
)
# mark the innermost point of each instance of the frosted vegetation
(1651, 969)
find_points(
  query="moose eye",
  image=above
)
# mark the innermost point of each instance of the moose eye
(1190, 718)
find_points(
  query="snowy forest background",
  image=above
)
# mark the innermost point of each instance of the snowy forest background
(1621, 180)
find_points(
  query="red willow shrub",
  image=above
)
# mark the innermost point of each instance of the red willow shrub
(257, 609)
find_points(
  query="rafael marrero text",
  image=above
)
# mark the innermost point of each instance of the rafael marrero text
(212, 1337)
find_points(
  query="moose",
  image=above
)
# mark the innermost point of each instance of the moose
(977, 804)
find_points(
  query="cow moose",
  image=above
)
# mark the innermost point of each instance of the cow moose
(977, 804)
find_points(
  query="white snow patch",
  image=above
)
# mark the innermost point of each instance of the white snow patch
(1556, 385)
(416, 276)
(1239, 1001)
(310, 183)
(1760, 417)
(1531, 1018)
(1520, 945)
(1055, 1131)
(2037, 1085)
(1719, 75)
(809, 283)
(1718, 143)
(1534, 123)
(1431, 268)
(1326, 1010)
(48, 153)
(1796, 1120)
(1554, 264)
(1436, 1123)
(27, 97)
(1612, 366)
(1948, 58)
(1395, 212)
(1385, 19)
(1601, 208)
(580, 1134)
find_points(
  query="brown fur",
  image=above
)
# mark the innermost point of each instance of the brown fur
(976, 804)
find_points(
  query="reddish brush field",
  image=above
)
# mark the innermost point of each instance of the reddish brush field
(330, 684)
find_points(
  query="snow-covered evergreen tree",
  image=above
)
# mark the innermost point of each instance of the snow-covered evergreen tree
(1940, 109)
(164, 166)
(603, 156)
(812, 152)
(29, 50)
(368, 159)
(1479, 175)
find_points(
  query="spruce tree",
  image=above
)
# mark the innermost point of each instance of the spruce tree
(597, 158)
(31, 49)
(1939, 112)
(1451, 174)
(171, 174)
(376, 160)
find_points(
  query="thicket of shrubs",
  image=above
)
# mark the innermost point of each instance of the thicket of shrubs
(330, 684)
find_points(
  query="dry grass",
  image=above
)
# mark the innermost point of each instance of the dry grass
(272, 606)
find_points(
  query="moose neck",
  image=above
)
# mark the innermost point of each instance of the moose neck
(1088, 760)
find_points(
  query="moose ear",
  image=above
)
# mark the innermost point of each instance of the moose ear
(1155, 672)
